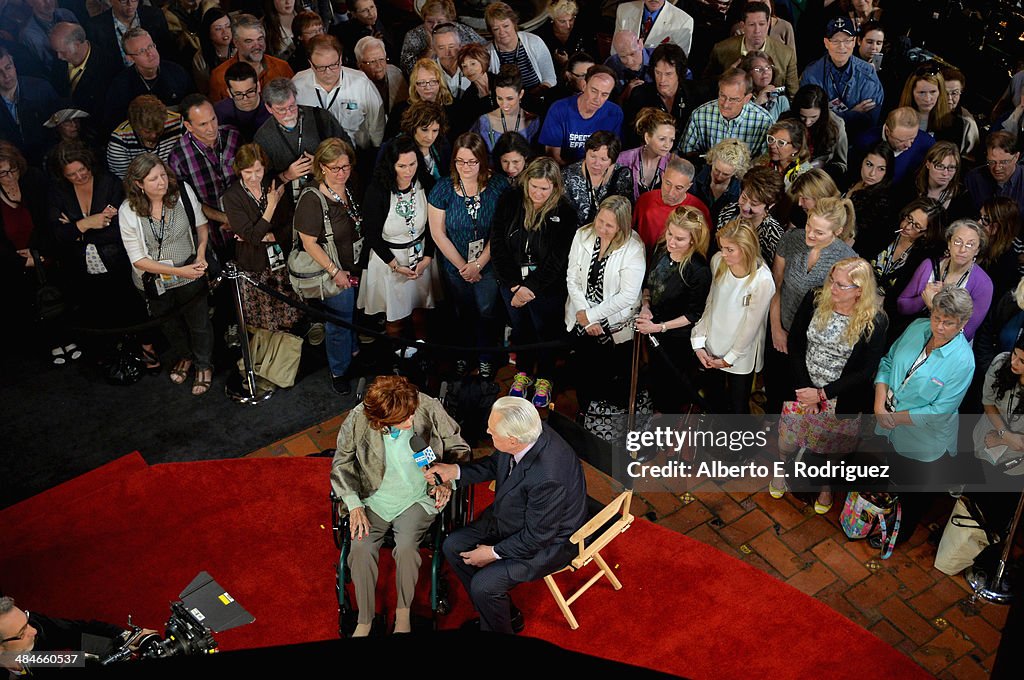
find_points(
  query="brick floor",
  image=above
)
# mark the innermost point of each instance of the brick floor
(903, 600)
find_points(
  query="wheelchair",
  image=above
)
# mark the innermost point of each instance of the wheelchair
(453, 515)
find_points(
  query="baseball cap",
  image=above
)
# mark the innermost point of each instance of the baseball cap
(840, 25)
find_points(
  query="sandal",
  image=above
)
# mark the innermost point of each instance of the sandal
(179, 373)
(201, 386)
(150, 361)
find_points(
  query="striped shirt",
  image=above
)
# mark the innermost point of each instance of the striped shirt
(124, 144)
(521, 59)
(707, 127)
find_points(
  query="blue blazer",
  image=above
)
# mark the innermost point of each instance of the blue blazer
(536, 508)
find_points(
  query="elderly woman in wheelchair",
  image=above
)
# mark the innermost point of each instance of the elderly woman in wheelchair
(377, 479)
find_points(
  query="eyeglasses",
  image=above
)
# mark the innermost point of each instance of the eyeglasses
(326, 67)
(145, 50)
(999, 164)
(248, 94)
(371, 62)
(21, 633)
(775, 141)
(282, 109)
(945, 322)
(472, 163)
(578, 76)
(338, 169)
(722, 99)
(841, 42)
(907, 219)
(942, 167)
(8, 173)
(966, 245)
(954, 93)
(434, 82)
(834, 284)
(762, 69)
(985, 220)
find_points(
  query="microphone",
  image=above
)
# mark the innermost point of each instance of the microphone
(423, 455)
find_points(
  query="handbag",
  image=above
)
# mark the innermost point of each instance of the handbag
(963, 539)
(821, 432)
(275, 356)
(308, 278)
(49, 298)
(126, 366)
(609, 421)
(862, 511)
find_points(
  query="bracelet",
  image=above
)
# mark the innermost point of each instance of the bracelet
(477, 265)
(663, 328)
(394, 267)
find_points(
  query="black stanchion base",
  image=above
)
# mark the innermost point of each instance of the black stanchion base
(237, 390)
(981, 576)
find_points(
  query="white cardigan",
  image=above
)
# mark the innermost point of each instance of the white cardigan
(730, 329)
(133, 237)
(623, 281)
(537, 52)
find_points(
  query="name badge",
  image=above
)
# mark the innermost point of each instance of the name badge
(890, 401)
(166, 280)
(746, 299)
(837, 105)
(475, 249)
(357, 251)
(275, 256)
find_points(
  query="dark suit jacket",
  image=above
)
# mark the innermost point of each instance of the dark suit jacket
(104, 37)
(36, 103)
(92, 87)
(536, 508)
(171, 85)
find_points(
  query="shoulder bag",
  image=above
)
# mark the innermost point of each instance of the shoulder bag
(308, 278)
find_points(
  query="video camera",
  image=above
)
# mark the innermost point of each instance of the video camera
(205, 608)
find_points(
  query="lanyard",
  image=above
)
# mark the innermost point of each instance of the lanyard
(159, 237)
(592, 191)
(211, 167)
(334, 97)
(887, 260)
(963, 277)
(519, 115)
(472, 205)
(840, 79)
(406, 208)
(921, 358)
(298, 147)
(350, 207)
(261, 202)
(654, 180)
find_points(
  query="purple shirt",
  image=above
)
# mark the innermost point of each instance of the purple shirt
(978, 284)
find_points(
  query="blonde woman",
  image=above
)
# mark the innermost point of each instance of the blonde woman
(804, 194)
(718, 182)
(604, 278)
(836, 341)
(427, 83)
(533, 228)
(925, 92)
(802, 262)
(728, 338)
(648, 162)
(673, 300)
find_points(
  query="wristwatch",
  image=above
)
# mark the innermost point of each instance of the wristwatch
(1000, 433)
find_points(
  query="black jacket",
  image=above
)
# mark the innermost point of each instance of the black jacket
(986, 341)
(170, 86)
(688, 98)
(549, 244)
(107, 190)
(104, 38)
(855, 386)
(91, 92)
(375, 211)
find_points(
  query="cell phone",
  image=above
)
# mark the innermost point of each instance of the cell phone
(353, 280)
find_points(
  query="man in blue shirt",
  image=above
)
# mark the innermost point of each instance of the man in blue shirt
(852, 86)
(572, 120)
(631, 63)
(908, 142)
(34, 35)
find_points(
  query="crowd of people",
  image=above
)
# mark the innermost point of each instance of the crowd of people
(794, 215)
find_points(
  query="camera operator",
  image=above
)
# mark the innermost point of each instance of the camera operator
(21, 632)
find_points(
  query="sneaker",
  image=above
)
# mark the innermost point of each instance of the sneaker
(316, 334)
(341, 384)
(512, 358)
(542, 393)
(486, 370)
(520, 383)
(461, 366)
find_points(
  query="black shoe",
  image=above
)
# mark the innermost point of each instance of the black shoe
(461, 366)
(875, 541)
(342, 385)
(518, 623)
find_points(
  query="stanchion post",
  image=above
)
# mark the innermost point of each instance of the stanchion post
(633, 379)
(250, 392)
(990, 582)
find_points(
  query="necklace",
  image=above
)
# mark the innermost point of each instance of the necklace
(405, 207)
(504, 127)
(350, 206)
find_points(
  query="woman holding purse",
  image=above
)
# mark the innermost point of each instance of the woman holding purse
(835, 343)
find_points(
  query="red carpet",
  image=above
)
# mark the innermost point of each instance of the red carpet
(127, 538)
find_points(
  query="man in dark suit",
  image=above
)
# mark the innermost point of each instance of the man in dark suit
(540, 500)
(107, 29)
(25, 104)
(82, 74)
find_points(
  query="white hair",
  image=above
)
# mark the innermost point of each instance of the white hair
(517, 418)
(365, 43)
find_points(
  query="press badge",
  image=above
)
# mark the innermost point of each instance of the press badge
(357, 250)
(166, 280)
(275, 256)
(476, 249)
(837, 105)
(746, 299)
(527, 269)
(890, 401)
(351, 106)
